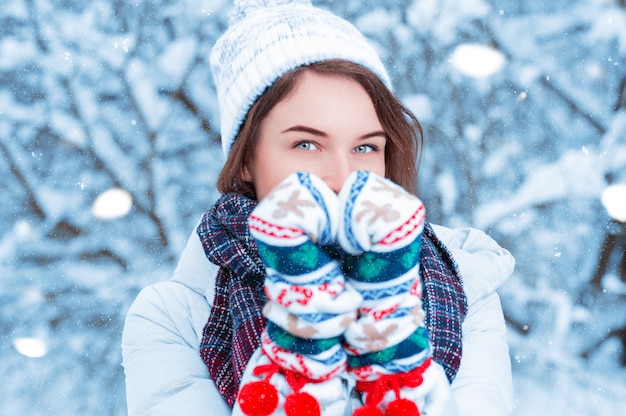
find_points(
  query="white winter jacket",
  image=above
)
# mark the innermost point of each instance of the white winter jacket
(166, 376)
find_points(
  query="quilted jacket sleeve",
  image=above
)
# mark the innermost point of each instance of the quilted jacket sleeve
(164, 372)
(160, 343)
(483, 385)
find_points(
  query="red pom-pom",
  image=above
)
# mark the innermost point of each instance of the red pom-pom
(402, 407)
(302, 404)
(367, 411)
(258, 398)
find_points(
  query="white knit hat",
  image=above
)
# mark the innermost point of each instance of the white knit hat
(268, 38)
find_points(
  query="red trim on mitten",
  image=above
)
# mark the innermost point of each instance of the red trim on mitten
(302, 404)
(258, 398)
(376, 390)
(367, 411)
(402, 407)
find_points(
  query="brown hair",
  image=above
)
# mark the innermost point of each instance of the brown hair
(404, 133)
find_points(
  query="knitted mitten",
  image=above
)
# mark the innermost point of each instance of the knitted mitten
(388, 346)
(301, 356)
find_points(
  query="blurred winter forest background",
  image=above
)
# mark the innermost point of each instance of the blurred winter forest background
(109, 147)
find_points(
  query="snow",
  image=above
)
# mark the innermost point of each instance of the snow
(476, 60)
(576, 174)
(152, 107)
(31, 347)
(420, 105)
(118, 95)
(112, 203)
(14, 52)
(614, 201)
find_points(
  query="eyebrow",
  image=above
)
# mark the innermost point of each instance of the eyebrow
(316, 132)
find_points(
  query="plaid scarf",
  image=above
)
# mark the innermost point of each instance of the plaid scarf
(233, 330)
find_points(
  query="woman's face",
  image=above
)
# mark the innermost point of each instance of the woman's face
(327, 126)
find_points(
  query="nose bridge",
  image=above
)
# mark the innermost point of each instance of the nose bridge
(338, 169)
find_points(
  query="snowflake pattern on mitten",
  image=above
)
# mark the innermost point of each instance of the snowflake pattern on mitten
(309, 306)
(388, 345)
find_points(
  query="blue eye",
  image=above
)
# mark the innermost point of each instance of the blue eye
(306, 146)
(365, 148)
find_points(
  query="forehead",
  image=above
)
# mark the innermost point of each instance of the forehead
(325, 93)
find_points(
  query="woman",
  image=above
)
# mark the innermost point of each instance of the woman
(301, 90)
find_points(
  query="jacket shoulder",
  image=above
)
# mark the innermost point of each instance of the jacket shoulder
(483, 264)
(172, 304)
(160, 350)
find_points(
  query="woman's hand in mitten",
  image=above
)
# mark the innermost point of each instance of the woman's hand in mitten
(388, 347)
(309, 306)
(301, 205)
(378, 215)
(381, 232)
(294, 227)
